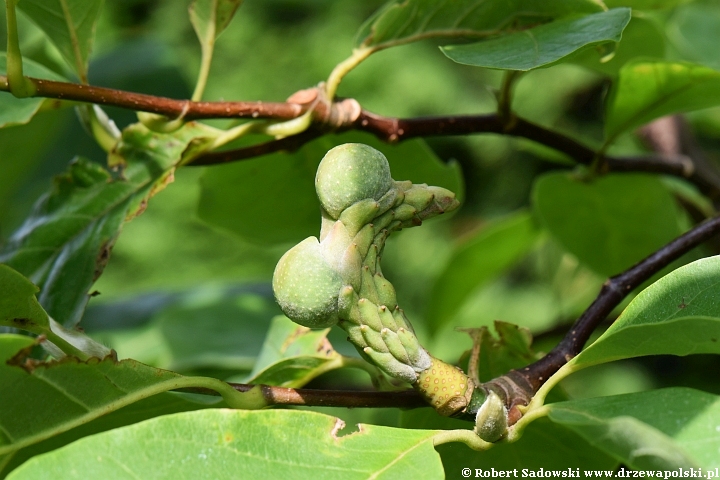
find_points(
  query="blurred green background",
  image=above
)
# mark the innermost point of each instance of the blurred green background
(183, 294)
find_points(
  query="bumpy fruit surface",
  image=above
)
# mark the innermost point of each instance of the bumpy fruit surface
(306, 287)
(349, 173)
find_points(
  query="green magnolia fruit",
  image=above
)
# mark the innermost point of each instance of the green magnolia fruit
(350, 173)
(306, 287)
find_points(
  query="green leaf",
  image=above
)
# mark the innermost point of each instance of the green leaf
(677, 315)
(542, 45)
(292, 355)
(20, 309)
(64, 244)
(70, 25)
(289, 210)
(491, 251)
(161, 404)
(41, 400)
(641, 38)
(17, 111)
(210, 17)
(660, 429)
(646, 90)
(644, 4)
(615, 220)
(693, 30)
(222, 443)
(232, 330)
(406, 21)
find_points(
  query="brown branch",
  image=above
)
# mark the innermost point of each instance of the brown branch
(346, 115)
(328, 398)
(613, 291)
(169, 107)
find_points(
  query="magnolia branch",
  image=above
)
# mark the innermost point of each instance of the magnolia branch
(347, 115)
(329, 398)
(613, 291)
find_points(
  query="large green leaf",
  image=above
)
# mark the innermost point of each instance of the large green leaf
(608, 223)
(660, 429)
(646, 90)
(16, 111)
(70, 25)
(227, 443)
(409, 20)
(20, 309)
(272, 199)
(677, 315)
(477, 261)
(292, 355)
(64, 244)
(543, 45)
(41, 400)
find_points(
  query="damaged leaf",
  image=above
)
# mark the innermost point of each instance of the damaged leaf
(64, 245)
(242, 444)
(20, 309)
(43, 399)
(495, 356)
(292, 355)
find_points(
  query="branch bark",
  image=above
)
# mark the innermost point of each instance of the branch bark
(611, 294)
(328, 398)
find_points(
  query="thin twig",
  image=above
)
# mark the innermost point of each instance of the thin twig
(329, 398)
(613, 291)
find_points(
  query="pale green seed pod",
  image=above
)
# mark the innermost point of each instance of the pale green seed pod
(350, 173)
(306, 287)
(491, 420)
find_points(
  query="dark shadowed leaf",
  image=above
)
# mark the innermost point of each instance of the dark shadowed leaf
(20, 309)
(542, 45)
(492, 250)
(64, 244)
(608, 223)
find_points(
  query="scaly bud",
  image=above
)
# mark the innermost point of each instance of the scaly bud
(390, 365)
